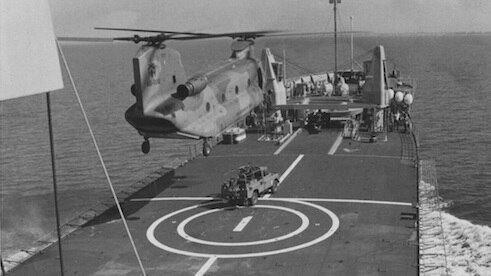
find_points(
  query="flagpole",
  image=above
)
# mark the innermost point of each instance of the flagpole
(1, 265)
(55, 190)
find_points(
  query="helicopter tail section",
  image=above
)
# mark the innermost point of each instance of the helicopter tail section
(273, 72)
(157, 73)
(374, 90)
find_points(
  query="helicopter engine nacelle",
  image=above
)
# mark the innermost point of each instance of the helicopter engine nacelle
(192, 87)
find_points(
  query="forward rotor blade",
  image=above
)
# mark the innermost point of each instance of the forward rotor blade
(252, 34)
(149, 31)
(85, 39)
(157, 38)
(319, 33)
(161, 37)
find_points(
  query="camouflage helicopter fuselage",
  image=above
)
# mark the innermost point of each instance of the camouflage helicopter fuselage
(200, 107)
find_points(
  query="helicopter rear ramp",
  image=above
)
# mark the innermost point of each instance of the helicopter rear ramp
(157, 73)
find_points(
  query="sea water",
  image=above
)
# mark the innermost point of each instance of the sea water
(453, 94)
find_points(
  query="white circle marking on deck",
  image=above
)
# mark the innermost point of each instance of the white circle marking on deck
(154, 241)
(303, 226)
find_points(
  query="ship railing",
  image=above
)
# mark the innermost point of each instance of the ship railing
(432, 245)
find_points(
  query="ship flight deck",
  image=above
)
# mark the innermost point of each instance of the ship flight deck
(343, 207)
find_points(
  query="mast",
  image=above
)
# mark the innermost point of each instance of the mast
(351, 44)
(335, 43)
(284, 65)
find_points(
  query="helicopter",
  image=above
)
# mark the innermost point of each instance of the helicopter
(170, 105)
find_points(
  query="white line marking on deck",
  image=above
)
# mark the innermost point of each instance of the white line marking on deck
(290, 169)
(336, 144)
(369, 156)
(242, 224)
(339, 200)
(286, 173)
(206, 266)
(287, 142)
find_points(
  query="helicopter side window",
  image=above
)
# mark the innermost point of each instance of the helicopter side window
(207, 107)
(174, 78)
(248, 82)
(236, 89)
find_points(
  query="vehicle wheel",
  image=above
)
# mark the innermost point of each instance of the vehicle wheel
(206, 149)
(245, 202)
(253, 199)
(274, 188)
(146, 147)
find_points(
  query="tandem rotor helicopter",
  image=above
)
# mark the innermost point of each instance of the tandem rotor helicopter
(170, 105)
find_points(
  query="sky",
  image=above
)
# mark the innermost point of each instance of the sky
(78, 18)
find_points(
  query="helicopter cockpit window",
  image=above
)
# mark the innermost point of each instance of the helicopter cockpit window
(258, 175)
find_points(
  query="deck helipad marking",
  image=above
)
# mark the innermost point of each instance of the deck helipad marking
(287, 142)
(336, 144)
(339, 200)
(300, 229)
(242, 224)
(206, 266)
(175, 198)
(327, 234)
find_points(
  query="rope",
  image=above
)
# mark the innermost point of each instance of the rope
(101, 160)
(302, 69)
(298, 67)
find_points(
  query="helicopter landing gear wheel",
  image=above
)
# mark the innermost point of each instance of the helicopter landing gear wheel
(206, 148)
(146, 146)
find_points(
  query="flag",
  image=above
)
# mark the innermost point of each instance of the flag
(29, 61)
